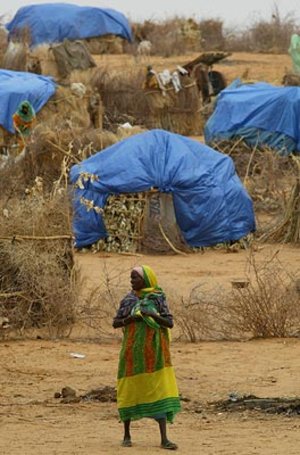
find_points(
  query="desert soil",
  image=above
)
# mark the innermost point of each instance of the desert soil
(33, 422)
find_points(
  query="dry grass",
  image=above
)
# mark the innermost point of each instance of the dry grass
(259, 67)
(3, 43)
(108, 44)
(287, 229)
(177, 35)
(174, 36)
(15, 57)
(65, 108)
(267, 176)
(38, 282)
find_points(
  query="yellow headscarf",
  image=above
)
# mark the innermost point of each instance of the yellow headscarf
(150, 279)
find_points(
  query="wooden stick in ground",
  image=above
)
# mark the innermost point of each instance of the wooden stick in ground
(8, 295)
(37, 237)
(169, 241)
(249, 163)
(235, 145)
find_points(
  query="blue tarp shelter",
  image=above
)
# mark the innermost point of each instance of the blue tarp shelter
(54, 22)
(260, 113)
(211, 205)
(16, 87)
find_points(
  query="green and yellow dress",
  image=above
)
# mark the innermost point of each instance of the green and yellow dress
(146, 380)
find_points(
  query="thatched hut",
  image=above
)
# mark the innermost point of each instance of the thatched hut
(175, 105)
(130, 97)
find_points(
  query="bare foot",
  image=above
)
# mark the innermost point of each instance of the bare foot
(169, 445)
(126, 442)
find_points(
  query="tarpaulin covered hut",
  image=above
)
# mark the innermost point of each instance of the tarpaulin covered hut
(260, 113)
(17, 86)
(210, 203)
(55, 22)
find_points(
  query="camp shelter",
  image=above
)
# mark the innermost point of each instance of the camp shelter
(210, 203)
(142, 97)
(59, 109)
(54, 22)
(15, 87)
(260, 113)
(70, 56)
(57, 60)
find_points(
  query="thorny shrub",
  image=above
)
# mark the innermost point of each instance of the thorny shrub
(99, 304)
(196, 316)
(262, 35)
(267, 304)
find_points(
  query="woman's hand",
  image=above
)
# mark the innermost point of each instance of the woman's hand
(122, 322)
(146, 312)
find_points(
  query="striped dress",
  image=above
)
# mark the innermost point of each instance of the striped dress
(146, 380)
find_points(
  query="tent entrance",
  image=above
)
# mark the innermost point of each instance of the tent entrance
(140, 222)
(160, 229)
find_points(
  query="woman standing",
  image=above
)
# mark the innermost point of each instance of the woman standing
(146, 381)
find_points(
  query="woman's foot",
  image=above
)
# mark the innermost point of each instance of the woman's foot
(169, 445)
(126, 442)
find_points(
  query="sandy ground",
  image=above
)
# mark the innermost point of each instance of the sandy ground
(32, 422)
(179, 274)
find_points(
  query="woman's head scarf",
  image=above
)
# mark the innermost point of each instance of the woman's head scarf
(150, 280)
(30, 111)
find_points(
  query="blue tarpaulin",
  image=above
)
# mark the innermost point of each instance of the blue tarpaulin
(54, 22)
(260, 113)
(15, 87)
(211, 205)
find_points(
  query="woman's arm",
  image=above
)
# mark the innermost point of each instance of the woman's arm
(164, 321)
(122, 322)
(123, 316)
